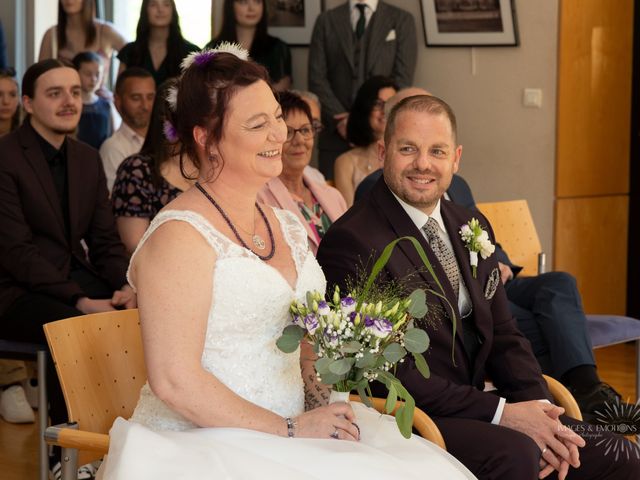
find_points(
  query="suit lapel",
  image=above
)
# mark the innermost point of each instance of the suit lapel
(380, 25)
(74, 170)
(33, 153)
(341, 20)
(403, 226)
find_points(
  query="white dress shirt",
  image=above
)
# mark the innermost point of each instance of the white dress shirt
(355, 12)
(122, 144)
(419, 219)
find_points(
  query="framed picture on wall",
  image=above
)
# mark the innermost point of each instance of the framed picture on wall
(292, 20)
(464, 23)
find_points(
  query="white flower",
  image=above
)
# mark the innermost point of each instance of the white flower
(466, 233)
(172, 98)
(486, 249)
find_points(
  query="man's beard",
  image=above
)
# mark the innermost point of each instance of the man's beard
(66, 131)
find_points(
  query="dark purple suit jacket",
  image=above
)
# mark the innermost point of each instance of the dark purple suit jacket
(453, 390)
(35, 254)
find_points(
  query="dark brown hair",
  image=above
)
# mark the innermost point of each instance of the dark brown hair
(204, 92)
(292, 102)
(88, 15)
(10, 73)
(36, 70)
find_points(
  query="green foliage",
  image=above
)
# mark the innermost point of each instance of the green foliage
(290, 339)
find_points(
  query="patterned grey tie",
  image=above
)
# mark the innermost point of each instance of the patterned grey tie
(443, 253)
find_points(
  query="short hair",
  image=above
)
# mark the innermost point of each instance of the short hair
(307, 94)
(205, 90)
(131, 72)
(292, 102)
(423, 104)
(359, 131)
(36, 70)
(86, 57)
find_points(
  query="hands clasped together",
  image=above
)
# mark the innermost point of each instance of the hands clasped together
(541, 422)
(335, 420)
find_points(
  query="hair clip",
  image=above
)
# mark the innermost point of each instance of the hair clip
(172, 97)
(205, 56)
(170, 131)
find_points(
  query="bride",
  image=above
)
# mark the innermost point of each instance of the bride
(215, 274)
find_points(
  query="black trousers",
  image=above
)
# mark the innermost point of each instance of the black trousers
(493, 452)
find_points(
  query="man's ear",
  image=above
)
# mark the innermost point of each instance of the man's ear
(26, 104)
(381, 151)
(456, 160)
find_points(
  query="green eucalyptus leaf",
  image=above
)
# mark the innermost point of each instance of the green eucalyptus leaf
(416, 340)
(394, 352)
(418, 307)
(404, 420)
(392, 399)
(367, 360)
(290, 339)
(351, 347)
(322, 365)
(363, 394)
(330, 378)
(421, 364)
(341, 366)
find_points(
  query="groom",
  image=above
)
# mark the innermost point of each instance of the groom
(516, 434)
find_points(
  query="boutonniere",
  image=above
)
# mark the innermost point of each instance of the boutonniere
(476, 239)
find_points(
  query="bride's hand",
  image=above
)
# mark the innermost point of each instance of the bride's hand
(324, 422)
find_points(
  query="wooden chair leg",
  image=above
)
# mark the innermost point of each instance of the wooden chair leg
(43, 415)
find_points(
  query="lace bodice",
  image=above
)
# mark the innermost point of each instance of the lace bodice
(248, 311)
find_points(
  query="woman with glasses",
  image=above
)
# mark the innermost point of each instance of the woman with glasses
(364, 128)
(316, 204)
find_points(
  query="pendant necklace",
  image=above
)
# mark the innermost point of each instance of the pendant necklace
(258, 241)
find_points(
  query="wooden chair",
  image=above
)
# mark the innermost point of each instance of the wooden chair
(514, 229)
(100, 363)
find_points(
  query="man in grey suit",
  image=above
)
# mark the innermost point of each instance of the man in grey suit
(351, 43)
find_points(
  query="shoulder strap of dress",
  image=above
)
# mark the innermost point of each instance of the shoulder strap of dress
(54, 42)
(295, 234)
(197, 221)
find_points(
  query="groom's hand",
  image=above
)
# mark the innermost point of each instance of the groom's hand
(540, 422)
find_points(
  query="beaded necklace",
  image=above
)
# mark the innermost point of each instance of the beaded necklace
(258, 241)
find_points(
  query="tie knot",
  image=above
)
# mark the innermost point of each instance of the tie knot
(361, 7)
(431, 228)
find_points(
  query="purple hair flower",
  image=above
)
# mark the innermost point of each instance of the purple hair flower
(347, 305)
(170, 131)
(311, 323)
(379, 327)
(204, 57)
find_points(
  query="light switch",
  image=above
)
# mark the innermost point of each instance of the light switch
(532, 97)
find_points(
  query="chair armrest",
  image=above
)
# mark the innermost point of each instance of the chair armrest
(421, 421)
(563, 398)
(66, 436)
(542, 263)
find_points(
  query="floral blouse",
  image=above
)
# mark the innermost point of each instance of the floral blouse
(134, 194)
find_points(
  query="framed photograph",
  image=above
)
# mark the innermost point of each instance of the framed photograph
(292, 20)
(468, 23)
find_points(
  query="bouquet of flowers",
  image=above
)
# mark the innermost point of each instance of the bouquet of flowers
(363, 335)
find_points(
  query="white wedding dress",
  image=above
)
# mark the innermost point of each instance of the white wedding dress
(248, 312)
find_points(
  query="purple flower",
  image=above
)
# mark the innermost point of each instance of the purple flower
(331, 338)
(380, 327)
(323, 308)
(298, 320)
(170, 131)
(204, 57)
(352, 316)
(311, 323)
(347, 305)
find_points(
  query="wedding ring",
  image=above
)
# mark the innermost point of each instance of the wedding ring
(357, 428)
(543, 450)
(334, 434)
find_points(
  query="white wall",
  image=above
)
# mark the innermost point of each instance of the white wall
(509, 150)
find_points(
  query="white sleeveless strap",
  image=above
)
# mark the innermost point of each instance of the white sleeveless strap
(295, 235)
(217, 241)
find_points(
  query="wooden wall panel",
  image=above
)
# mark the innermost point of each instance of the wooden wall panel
(591, 243)
(594, 97)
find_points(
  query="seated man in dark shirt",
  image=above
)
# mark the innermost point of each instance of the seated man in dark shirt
(60, 254)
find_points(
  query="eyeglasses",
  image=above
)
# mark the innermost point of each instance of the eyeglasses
(306, 131)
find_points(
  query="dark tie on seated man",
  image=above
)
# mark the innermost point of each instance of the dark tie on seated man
(53, 203)
(547, 309)
(516, 433)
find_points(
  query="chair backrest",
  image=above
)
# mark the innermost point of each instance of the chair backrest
(515, 231)
(100, 363)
